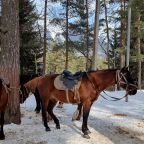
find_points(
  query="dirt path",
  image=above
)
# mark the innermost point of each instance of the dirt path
(105, 129)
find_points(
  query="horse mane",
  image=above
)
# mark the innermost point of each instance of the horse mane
(98, 71)
(105, 70)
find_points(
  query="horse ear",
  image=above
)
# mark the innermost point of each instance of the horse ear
(125, 68)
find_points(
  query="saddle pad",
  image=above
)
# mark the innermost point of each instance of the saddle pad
(60, 86)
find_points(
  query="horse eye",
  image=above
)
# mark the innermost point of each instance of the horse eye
(135, 82)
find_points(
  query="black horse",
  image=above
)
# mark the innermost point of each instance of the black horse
(24, 79)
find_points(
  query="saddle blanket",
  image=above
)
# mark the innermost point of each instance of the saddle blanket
(60, 86)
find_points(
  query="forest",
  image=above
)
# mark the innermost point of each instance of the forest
(42, 37)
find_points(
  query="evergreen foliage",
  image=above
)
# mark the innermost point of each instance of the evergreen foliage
(137, 9)
(31, 43)
(30, 46)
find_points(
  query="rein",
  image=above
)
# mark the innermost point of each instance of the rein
(113, 98)
(119, 76)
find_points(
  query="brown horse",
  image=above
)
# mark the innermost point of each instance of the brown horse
(31, 87)
(92, 84)
(4, 92)
(24, 78)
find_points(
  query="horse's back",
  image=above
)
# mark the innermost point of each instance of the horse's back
(46, 83)
(47, 79)
(32, 84)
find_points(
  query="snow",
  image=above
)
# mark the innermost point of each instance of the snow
(110, 122)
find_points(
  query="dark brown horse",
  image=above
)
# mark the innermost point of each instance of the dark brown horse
(31, 87)
(92, 84)
(23, 80)
(4, 92)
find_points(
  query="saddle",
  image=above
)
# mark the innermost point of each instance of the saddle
(69, 79)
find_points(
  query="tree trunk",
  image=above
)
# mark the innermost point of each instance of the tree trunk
(107, 30)
(87, 37)
(9, 54)
(45, 35)
(123, 37)
(96, 29)
(128, 33)
(67, 45)
(139, 52)
(128, 38)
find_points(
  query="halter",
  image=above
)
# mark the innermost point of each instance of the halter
(119, 77)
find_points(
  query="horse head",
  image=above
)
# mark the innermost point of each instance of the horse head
(23, 80)
(23, 94)
(125, 80)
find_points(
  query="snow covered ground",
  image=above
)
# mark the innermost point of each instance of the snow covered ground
(110, 123)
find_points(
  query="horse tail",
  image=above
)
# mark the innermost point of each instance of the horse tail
(38, 97)
(37, 93)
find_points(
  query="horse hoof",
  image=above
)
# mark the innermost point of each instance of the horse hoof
(86, 136)
(37, 112)
(88, 131)
(48, 129)
(2, 137)
(58, 126)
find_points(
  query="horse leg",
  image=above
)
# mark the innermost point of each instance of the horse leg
(86, 110)
(2, 136)
(50, 111)
(44, 114)
(60, 105)
(77, 113)
(38, 105)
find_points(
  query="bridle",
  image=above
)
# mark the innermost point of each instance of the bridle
(121, 79)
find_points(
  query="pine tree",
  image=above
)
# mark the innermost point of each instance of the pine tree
(30, 47)
(137, 42)
(9, 54)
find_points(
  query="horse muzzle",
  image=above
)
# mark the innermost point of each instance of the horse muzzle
(132, 92)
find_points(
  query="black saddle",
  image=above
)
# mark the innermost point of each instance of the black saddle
(69, 79)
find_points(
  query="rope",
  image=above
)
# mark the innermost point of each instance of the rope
(6, 87)
(113, 98)
(67, 96)
(118, 81)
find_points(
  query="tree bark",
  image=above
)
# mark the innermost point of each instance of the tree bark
(96, 29)
(128, 38)
(123, 37)
(128, 33)
(9, 54)
(45, 35)
(107, 30)
(67, 45)
(139, 52)
(87, 37)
